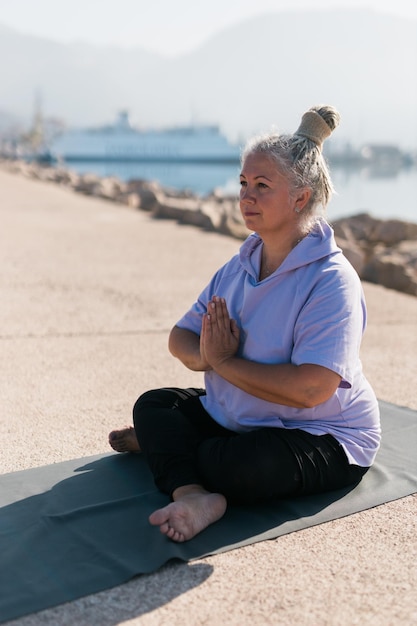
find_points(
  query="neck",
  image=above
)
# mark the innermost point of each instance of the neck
(274, 254)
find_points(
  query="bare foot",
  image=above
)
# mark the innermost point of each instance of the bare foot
(192, 511)
(124, 440)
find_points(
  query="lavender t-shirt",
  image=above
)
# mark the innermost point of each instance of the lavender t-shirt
(310, 310)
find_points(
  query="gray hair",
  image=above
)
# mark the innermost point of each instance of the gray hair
(299, 156)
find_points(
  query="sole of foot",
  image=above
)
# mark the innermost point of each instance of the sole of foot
(186, 517)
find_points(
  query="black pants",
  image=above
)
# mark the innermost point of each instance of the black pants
(183, 445)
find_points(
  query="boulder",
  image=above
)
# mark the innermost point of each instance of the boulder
(392, 232)
(146, 192)
(357, 228)
(87, 184)
(381, 251)
(388, 269)
(109, 188)
(130, 198)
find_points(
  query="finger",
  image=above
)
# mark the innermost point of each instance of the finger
(205, 325)
(223, 313)
(211, 310)
(223, 307)
(202, 332)
(209, 325)
(234, 328)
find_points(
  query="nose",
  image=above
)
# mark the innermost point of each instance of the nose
(246, 195)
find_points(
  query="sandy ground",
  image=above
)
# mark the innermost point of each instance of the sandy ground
(89, 291)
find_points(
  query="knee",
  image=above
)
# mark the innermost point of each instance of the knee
(151, 402)
(146, 400)
(155, 398)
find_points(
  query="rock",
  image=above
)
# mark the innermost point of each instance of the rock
(147, 193)
(214, 214)
(129, 198)
(232, 223)
(66, 177)
(357, 228)
(87, 183)
(18, 167)
(391, 232)
(408, 251)
(388, 269)
(381, 251)
(177, 208)
(363, 227)
(353, 252)
(109, 188)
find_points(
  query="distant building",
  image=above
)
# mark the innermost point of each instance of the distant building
(383, 155)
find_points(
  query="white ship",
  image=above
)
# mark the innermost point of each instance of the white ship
(122, 142)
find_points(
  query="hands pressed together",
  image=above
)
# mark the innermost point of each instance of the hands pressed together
(219, 339)
(300, 386)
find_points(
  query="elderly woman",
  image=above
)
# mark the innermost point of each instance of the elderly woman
(286, 409)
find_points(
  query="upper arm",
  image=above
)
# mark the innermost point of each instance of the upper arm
(329, 328)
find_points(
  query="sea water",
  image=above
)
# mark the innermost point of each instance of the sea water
(384, 194)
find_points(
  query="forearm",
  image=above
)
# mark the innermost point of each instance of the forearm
(303, 386)
(185, 346)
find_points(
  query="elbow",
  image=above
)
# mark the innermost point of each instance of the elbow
(314, 397)
(175, 340)
(318, 385)
(171, 343)
(310, 403)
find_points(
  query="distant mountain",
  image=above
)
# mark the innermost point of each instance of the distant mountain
(262, 71)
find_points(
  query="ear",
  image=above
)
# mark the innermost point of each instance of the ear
(302, 199)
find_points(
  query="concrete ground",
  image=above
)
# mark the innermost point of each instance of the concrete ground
(89, 291)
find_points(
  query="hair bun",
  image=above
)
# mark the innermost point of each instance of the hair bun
(315, 127)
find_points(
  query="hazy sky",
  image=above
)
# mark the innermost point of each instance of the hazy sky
(169, 27)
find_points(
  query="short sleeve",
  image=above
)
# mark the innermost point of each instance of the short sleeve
(329, 327)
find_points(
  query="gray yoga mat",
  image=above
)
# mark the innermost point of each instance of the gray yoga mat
(75, 528)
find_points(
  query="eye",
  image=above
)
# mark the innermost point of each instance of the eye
(263, 185)
(243, 183)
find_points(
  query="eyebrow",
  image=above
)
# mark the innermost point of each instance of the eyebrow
(259, 176)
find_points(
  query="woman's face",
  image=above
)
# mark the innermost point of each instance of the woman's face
(265, 200)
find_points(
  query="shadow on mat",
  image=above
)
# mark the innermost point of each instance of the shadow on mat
(87, 530)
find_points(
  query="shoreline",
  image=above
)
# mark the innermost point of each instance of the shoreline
(381, 251)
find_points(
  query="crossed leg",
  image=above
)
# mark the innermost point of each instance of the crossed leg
(193, 508)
